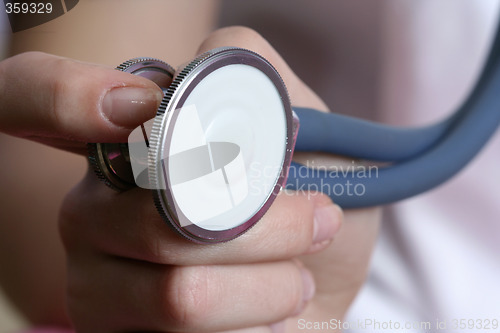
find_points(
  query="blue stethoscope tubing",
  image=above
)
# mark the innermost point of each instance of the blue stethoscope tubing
(420, 158)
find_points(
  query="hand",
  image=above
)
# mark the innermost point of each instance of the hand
(127, 270)
(61, 102)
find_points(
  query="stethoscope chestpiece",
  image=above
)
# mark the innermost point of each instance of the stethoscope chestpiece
(111, 161)
(217, 153)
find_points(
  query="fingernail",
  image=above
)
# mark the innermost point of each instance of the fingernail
(131, 106)
(327, 221)
(308, 289)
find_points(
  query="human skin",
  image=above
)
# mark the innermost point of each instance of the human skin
(104, 254)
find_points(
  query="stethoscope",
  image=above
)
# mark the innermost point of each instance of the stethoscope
(220, 148)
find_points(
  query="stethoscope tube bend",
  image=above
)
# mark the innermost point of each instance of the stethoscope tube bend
(421, 158)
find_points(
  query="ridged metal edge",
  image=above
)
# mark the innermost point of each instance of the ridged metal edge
(157, 131)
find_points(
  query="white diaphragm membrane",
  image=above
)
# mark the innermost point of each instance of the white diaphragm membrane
(226, 149)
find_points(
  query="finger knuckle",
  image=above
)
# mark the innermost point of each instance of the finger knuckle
(188, 298)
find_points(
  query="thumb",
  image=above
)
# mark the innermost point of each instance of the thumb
(66, 103)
